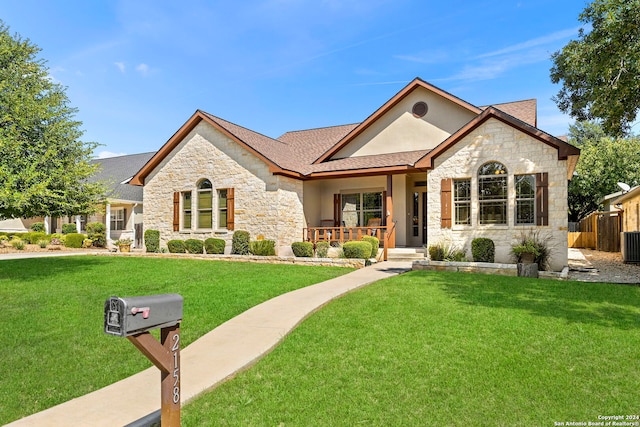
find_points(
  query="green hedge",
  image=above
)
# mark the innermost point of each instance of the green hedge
(322, 249)
(214, 246)
(240, 243)
(263, 247)
(361, 249)
(375, 244)
(194, 246)
(37, 226)
(74, 240)
(97, 232)
(152, 240)
(302, 249)
(69, 228)
(176, 246)
(34, 237)
(483, 249)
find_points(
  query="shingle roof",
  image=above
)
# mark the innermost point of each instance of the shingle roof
(524, 110)
(113, 171)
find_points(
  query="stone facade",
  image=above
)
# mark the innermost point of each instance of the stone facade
(266, 205)
(521, 154)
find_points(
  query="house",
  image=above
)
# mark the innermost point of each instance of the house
(123, 207)
(629, 203)
(428, 165)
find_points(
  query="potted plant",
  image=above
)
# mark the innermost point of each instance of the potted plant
(526, 251)
(124, 244)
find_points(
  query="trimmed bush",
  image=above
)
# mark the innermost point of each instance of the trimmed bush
(263, 247)
(302, 249)
(375, 244)
(436, 253)
(483, 249)
(176, 246)
(240, 243)
(74, 240)
(360, 249)
(214, 246)
(37, 226)
(194, 246)
(97, 232)
(69, 228)
(152, 240)
(34, 236)
(322, 249)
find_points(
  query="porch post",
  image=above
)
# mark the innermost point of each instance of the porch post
(47, 225)
(107, 220)
(391, 240)
(78, 225)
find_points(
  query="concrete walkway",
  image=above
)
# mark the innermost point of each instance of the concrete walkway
(220, 354)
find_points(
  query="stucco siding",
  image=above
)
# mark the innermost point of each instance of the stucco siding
(521, 154)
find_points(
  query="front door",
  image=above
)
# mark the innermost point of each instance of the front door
(418, 219)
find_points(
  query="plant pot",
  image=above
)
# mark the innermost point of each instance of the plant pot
(125, 248)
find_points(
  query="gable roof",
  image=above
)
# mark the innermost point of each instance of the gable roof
(116, 172)
(307, 154)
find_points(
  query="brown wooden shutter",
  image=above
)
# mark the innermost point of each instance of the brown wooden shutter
(230, 209)
(336, 210)
(176, 211)
(445, 203)
(542, 198)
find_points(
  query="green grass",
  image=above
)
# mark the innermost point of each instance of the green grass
(450, 349)
(53, 344)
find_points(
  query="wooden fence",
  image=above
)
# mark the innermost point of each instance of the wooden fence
(599, 230)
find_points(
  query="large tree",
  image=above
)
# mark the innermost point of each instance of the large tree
(44, 166)
(604, 161)
(600, 72)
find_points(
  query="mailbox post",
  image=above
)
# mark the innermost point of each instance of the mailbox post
(133, 318)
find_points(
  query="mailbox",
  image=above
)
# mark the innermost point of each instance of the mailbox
(130, 316)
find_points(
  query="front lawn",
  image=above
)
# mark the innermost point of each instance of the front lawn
(436, 349)
(54, 347)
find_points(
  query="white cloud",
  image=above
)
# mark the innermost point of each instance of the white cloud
(120, 66)
(143, 69)
(538, 41)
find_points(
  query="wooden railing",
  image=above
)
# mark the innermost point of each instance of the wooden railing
(342, 234)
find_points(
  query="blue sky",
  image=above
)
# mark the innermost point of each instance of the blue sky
(138, 69)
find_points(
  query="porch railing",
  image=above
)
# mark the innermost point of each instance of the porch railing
(342, 234)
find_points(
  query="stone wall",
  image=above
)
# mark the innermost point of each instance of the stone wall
(521, 154)
(266, 205)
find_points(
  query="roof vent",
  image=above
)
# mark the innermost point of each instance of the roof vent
(420, 109)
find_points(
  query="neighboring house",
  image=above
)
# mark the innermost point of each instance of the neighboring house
(431, 166)
(124, 202)
(629, 203)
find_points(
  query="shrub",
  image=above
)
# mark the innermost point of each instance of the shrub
(533, 242)
(302, 249)
(375, 244)
(483, 249)
(34, 236)
(152, 240)
(74, 240)
(37, 226)
(97, 232)
(359, 249)
(69, 228)
(214, 246)
(176, 246)
(263, 247)
(17, 243)
(240, 243)
(194, 246)
(322, 249)
(43, 243)
(444, 251)
(87, 243)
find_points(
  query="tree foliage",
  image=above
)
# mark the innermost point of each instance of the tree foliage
(600, 71)
(604, 161)
(44, 166)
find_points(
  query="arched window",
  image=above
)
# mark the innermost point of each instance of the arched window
(205, 204)
(492, 193)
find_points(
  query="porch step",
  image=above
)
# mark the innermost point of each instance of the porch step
(405, 254)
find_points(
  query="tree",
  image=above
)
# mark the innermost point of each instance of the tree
(604, 161)
(600, 71)
(44, 167)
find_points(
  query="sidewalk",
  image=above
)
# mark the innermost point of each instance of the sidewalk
(233, 346)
